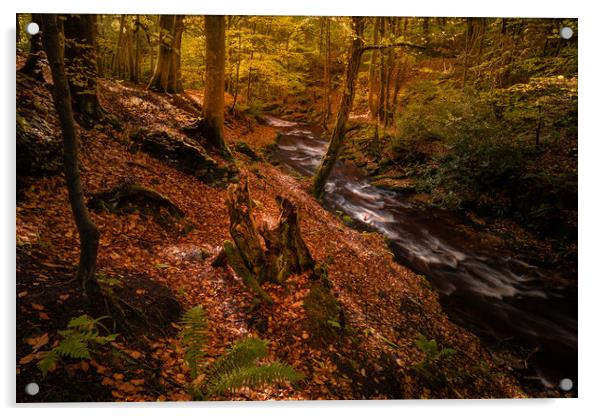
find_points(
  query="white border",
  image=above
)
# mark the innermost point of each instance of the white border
(590, 180)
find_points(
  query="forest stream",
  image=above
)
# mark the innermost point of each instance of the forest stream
(525, 315)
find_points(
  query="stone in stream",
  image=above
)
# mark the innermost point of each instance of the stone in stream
(398, 185)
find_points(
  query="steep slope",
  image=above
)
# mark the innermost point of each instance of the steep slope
(158, 265)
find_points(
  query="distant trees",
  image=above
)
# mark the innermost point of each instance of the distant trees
(338, 134)
(167, 75)
(33, 65)
(88, 232)
(213, 99)
(81, 67)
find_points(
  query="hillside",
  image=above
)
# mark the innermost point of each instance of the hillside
(158, 266)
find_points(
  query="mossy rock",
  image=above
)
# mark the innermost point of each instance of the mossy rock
(245, 149)
(397, 185)
(323, 310)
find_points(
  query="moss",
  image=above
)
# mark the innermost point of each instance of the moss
(323, 310)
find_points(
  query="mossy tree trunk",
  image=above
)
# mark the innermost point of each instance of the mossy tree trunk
(88, 232)
(338, 134)
(82, 69)
(285, 252)
(213, 100)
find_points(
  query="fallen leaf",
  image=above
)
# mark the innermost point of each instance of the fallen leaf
(37, 306)
(37, 342)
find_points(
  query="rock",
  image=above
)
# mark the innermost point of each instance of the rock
(245, 149)
(397, 185)
(187, 157)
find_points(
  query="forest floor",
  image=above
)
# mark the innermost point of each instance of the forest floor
(159, 270)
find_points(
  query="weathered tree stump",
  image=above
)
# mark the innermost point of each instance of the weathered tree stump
(260, 254)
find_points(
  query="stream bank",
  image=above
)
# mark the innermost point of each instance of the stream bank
(526, 315)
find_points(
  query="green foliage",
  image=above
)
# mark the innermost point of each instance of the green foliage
(78, 341)
(193, 334)
(238, 367)
(431, 366)
(478, 151)
(253, 376)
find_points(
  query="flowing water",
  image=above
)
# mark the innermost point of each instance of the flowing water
(511, 305)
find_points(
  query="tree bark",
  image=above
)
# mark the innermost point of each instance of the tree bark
(372, 71)
(88, 232)
(213, 100)
(33, 65)
(81, 67)
(166, 76)
(338, 134)
(285, 251)
(327, 76)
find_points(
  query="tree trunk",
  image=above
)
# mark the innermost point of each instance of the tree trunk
(33, 65)
(285, 251)
(372, 71)
(237, 79)
(327, 76)
(137, 29)
(81, 67)
(131, 65)
(338, 134)
(88, 232)
(382, 77)
(166, 76)
(213, 100)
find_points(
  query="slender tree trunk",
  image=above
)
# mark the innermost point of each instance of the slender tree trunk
(382, 80)
(33, 65)
(88, 232)
(137, 28)
(249, 77)
(213, 101)
(130, 53)
(338, 134)
(117, 57)
(467, 36)
(390, 68)
(372, 71)
(237, 80)
(81, 67)
(327, 76)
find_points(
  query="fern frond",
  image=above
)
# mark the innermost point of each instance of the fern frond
(242, 354)
(47, 362)
(74, 347)
(253, 376)
(194, 337)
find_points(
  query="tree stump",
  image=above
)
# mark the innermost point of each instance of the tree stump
(260, 254)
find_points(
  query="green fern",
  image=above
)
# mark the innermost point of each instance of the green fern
(194, 337)
(81, 334)
(243, 354)
(252, 376)
(430, 368)
(234, 369)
